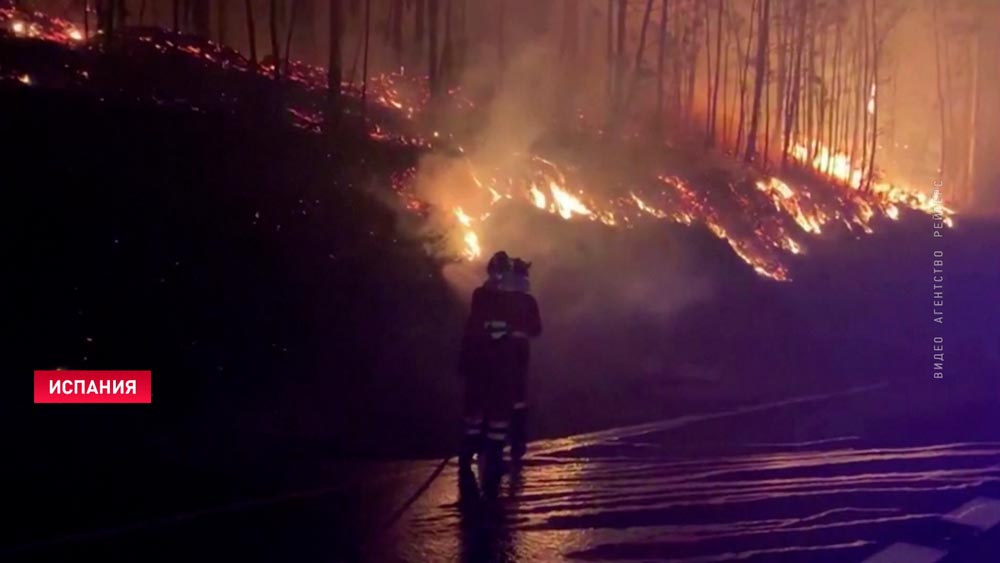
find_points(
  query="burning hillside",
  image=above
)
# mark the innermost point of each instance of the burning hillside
(762, 216)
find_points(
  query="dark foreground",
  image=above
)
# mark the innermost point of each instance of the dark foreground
(804, 479)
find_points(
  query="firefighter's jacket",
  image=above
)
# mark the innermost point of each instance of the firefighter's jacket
(499, 324)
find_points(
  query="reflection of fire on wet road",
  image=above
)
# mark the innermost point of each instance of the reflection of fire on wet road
(624, 495)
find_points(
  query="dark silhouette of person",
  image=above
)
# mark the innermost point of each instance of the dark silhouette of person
(527, 324)
(488, 365)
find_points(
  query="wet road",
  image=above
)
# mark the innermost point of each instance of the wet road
(773, 482)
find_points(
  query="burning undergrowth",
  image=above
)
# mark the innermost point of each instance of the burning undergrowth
(520, 158)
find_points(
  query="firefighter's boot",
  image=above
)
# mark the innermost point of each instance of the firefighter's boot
(496, 439)
(472, 443)
(518, 434)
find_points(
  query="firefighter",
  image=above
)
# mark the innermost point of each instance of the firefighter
(486, 365)
(527, 325)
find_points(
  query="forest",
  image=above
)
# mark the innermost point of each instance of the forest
(862, 91)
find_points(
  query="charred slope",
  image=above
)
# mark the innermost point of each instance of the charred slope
(246, 266)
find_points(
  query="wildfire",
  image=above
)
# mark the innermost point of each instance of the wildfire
(37, 25)
(888, 197)
(762, 220)
(758, 221)
(472, 249)
(566, 204)
(537, 197)
(647, 209)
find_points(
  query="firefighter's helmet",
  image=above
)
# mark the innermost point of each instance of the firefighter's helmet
(498, 265)
(520, 267)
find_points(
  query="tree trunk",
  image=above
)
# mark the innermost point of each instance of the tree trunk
(432, 40)
(201, 19)
(808, 131)
(791, 113)
(970, 171)
(620, 58)
(275, 48)
(251, 33)
(105, 21)
(866, 87)
(759, 82)
(447, 62)
(822, 102)
(744, 73)
(222, 17)
(364, 66)
(609, 53)
(659, 64)
(335, 72)
(727, 108)
(177, 16)
(397, 30)
(940, 86)
(419, 25)
(834, 116)
(764, 162)
(288, 34)
(121, 14)
(708, 74)
(718, 68)
(639, 52)
(784, 76)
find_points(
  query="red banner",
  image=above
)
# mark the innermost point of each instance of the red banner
(93, 386)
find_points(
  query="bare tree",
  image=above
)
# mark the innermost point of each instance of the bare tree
(718, 67)
(273, 27)
(201, 18)
(335, 73)
(433, 10)
(974, 86)
(620, 55)
(221, 15)
(659, 63)
(940, 86)
(288, 34)
(744, 74)
(759, 81)
(251, 33)
(795, 93)
(364, 72)
(398, 11)
(639, 52)
(447, 62)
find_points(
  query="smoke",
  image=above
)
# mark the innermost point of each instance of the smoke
(593, 282)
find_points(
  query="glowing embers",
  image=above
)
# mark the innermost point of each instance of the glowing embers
(786, 199)
(37, 25)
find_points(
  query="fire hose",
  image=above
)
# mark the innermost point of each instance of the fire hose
(398, 513)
